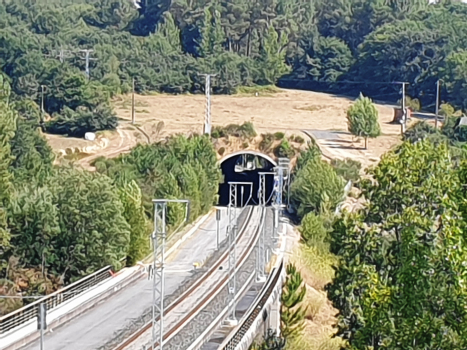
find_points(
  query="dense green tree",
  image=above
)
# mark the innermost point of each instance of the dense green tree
(130, 195)
(315, 184)
(7, 132)
(362, 119)
(272, 65)
(93, 230)
(399, 282)
(324, 59)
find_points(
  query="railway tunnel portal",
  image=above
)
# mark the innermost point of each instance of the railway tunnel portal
(245, 166)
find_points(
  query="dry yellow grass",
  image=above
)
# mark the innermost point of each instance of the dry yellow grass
(315, 267)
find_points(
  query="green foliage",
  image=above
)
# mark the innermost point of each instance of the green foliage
(246, 130)
(453, 130)
(311, 153)
(402, 257)
(284, 149)
(7, 132)
(32, 156)
(267, 140)
(316, 183)
(272, 55)
(270, 342)
(292, 312)
(362, 119)
(78, 123)
(313, 231)
(132, 200)
(279, 135)
(348, 168)
(180, 167)
(412, 103)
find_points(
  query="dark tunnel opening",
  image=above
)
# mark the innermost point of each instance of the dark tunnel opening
(245, 167)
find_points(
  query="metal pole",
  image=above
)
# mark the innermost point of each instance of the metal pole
(42, 337)
(404, 115)
(207, 91)
(159, 239)
(42, 100)
(133, 102)
(232, 251)
(218, 218)
(437, 104)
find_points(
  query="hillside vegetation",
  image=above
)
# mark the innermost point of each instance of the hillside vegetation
(342, 46)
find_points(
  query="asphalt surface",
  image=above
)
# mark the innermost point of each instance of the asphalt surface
(100, 324)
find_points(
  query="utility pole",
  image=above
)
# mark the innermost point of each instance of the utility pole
(404, 111)
(283, 167)
(133, 102)
(232, 233)
(158, 242)
(42, 321)
(437, 103)
(87, 52)
(207, 91)
(218, 219)
(42, 100)
(261, 251)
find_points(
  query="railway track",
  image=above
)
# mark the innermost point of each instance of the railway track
(221, 260)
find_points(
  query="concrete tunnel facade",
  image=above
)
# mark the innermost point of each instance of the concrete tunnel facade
(245, 166)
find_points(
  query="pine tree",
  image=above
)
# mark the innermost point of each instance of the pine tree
(132, 200)
(292, 313)
(212, 35)
(363, 119)
(272, 60)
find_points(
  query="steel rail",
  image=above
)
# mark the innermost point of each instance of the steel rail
(133, 337)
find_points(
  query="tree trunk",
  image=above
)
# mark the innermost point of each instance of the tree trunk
(366, 142)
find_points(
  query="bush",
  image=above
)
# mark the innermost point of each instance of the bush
(284, 149)
(221, 151)
(266, 142)
(412, 103)
(311, 153)
(419, 131)
(246, 130)
(297, 139)
(279, 135)
(78, 123)
(348, 168)
(314, 184)
(313, 231)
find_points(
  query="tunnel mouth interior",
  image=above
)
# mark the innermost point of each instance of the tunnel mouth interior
(245, 167)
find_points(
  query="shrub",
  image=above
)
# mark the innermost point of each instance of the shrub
(311, 153)
(221, 151)
(419, 131)
(412, 103)
(279, 135)
(316, 183)
(284, 149)
(313, 231)
(348, 168)
(298, 139)
(246, 130)
(266, 142)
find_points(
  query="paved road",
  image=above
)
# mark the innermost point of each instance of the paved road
(98, 325)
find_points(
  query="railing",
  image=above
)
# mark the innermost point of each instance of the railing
(243, 329)
(28, 312)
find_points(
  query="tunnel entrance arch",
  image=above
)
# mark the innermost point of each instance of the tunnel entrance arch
(245, 166)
